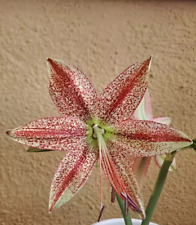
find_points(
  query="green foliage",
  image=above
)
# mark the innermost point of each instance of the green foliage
(194, 144)
(31, 149)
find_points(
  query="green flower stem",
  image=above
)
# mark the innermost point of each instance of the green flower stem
(158, 188)
(127, 218)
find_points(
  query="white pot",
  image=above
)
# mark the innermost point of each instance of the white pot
(120, 221)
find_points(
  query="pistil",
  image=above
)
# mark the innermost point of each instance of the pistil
(96, 129)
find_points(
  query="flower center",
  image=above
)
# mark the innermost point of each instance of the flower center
(99, 128)
(96, 130)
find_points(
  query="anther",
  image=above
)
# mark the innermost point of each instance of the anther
(126, 206)
(101, 213)
(129, 202)
(113, 192)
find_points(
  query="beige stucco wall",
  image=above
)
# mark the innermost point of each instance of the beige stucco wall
(102, 38)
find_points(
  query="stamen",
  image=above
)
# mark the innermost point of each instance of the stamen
(106, 162)
(113, 197)
(97, 132)
(101, 213)
(124, 195)
(126, 206)
(108, 166)
(100, 171)
(134, 205)
(131, 203)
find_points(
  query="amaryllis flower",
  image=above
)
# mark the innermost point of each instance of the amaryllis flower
(98, 128)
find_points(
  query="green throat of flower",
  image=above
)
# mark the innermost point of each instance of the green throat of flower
(99, 131)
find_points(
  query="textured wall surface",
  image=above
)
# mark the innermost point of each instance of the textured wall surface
(102, 38)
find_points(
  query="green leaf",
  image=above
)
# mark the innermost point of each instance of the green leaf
(193, 145)
(31, 149)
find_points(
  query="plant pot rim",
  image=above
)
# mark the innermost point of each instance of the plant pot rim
(118, 220)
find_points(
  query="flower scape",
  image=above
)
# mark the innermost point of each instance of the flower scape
(105, 128)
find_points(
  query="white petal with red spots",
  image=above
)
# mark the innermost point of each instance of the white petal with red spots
(55, 133)
(71, 90)
(71, 175)
(143, 138)
(122, 96)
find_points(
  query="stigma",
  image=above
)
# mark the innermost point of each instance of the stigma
(97, 129)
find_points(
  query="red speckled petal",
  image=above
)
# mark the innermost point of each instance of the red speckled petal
(126, 178)
(140, 168)
(163, 120)
(71, 175)
(122, 96)
(160, 158)
(147, 138)
(144, 110)
(51, 133)
(71, 90)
